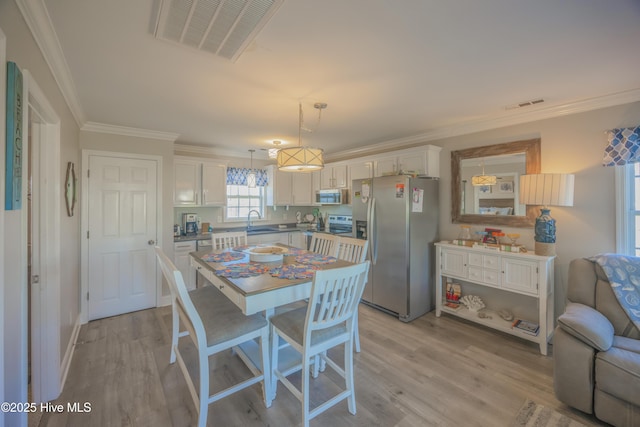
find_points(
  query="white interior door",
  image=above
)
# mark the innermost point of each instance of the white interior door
(122, 233)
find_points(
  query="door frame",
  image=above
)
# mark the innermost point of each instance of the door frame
(84, 221)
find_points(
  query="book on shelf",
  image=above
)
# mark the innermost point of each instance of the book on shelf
(452, 305)
(526, 326)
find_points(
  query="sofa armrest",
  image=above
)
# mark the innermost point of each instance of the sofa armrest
(588, 325)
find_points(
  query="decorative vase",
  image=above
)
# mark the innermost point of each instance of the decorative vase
(545, 233)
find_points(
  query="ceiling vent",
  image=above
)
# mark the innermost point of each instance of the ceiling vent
(222, 27)
(524, 104)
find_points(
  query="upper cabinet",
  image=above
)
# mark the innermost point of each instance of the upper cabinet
(288, 188)
(420, 161)
(199, 183)
(334, 176)
(360, 170)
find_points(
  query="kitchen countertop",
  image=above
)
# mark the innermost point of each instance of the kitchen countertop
(254, 230)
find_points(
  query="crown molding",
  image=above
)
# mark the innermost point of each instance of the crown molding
(513, 117)
(213, 151)
(127, 131)
(39, 22)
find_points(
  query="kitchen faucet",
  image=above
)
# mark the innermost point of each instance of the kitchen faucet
(249, 217)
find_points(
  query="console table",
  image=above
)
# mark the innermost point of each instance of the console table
(506, 276)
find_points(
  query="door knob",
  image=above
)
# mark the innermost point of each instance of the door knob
(151, 242)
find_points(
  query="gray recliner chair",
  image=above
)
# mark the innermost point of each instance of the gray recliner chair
(596, 350)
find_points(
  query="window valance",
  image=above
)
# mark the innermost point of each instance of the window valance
(238, 176)
(623, 147)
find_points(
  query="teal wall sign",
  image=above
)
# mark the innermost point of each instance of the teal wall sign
(13, 178)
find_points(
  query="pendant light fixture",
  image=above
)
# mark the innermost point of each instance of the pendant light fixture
(251, 176)
(479, 180)
(301, 159)
(273, 152)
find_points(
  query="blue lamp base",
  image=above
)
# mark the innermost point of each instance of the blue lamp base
(545, 234)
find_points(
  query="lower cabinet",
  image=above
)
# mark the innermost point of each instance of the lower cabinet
(291, 238)
(521, 283)
(182, 262)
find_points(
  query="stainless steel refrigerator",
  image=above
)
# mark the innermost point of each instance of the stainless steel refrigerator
(399, 216)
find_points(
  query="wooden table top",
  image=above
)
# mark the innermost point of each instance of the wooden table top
(248, 286)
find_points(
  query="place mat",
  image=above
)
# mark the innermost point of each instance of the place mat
(314, 258)
(223, 257)
(244, 269)
(294, 271)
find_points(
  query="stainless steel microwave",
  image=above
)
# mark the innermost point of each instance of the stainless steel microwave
(334, 196)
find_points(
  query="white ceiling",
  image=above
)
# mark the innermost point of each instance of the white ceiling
(389, 70)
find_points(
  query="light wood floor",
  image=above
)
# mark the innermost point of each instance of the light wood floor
(430, 372)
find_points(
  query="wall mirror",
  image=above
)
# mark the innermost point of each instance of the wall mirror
(496, 204)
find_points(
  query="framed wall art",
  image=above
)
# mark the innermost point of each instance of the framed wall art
(13, 174)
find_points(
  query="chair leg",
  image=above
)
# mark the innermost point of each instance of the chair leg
(266, 367)
(305, 390)
(204, 390)
(348, 375)
(356, 334)
(175, 331)
(275, 342)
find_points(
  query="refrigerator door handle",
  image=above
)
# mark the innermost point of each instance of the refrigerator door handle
(372, 231)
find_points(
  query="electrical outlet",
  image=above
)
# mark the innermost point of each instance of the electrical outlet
(284, 216)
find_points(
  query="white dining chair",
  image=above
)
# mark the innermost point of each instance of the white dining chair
(325, 244)
(228, 239)
(353, 250)
(326, 322)
(214, 324)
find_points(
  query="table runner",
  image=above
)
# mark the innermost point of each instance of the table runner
(294, 271)
(223, 257)
(314, 258)
(235, 271)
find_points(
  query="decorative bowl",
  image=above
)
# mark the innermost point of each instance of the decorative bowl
(267, 253)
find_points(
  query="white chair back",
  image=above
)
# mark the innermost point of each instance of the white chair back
(335, 294)
(230, 239)
(353, 250)
(325, 244)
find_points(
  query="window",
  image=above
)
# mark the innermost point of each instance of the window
(628, 209)
(240, 198)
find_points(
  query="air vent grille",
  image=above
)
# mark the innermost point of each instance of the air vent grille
(524, 104)
(222, 27)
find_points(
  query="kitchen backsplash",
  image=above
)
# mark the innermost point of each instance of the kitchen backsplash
(214, 215)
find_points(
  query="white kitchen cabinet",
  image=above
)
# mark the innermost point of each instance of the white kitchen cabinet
(360, 170)
(421, 161)
(182, 262)
(316, 178)
(291, 238)
(199, 183)
(502, 275)
(334, 176)
(288, 188)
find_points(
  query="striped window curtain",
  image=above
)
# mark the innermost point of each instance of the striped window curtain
(238, 176)
(623, 147)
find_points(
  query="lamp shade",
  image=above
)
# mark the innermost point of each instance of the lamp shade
(300, 159)
(547, 189)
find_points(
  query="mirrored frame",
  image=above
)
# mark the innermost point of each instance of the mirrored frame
(531, 149)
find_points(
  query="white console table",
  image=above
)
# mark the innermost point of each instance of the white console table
(498, 272)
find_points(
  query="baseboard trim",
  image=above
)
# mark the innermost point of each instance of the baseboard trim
(68, 355)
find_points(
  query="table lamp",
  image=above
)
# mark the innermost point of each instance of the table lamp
(547, 189)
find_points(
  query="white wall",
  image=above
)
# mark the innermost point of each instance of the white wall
(22, 49)
(570, 144)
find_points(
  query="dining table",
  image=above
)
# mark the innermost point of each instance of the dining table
(263, 286)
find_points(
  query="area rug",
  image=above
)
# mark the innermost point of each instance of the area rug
(531, 414)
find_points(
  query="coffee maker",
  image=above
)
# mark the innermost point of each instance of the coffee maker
(190, 224)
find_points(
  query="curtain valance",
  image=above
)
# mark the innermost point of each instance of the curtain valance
(623, 147)
(238, 176)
